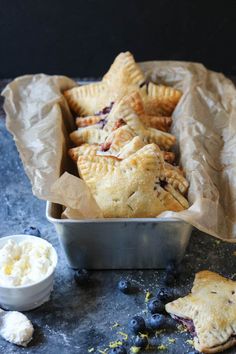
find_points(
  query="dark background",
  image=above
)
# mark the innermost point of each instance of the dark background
(81, 37)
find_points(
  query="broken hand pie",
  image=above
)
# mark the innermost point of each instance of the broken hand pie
(209, 311)
(142, 182)
(123, 77)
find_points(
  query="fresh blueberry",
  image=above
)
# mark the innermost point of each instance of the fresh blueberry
(141, 342)
(124, 286)
(137, 325)
(171, 322)
(157, 321)
(155, 305)
(31, 230)
(81, 276)
(164, 295)
(118, 350)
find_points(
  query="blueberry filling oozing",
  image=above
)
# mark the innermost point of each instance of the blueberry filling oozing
(146, 82)
(187, 323)
(119, 123)
(105, 146)
(105, 110)
(163, 184)
(191, 328)
(102, 123)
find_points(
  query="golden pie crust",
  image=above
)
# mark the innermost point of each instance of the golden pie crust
(211, 306)
(139, 179)
(123, 142)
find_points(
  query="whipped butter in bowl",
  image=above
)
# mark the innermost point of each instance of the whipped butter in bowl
(27, 265)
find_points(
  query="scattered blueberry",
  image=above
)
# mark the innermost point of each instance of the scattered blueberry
(171, 322)
(141, 342)
(137, 325)
(164, 295)
(124, 286)
(81, 276)
(157, 321)
(31, 230)
(155, 305)
(118, 350)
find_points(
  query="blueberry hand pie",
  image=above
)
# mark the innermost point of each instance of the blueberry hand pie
(209, 312)
(123, 145)
(160, 99)
(88, 99)
(123, 77)
(137, 186)
(121, 114)
(127, 109)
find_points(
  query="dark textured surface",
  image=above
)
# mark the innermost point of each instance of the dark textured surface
(82, 37)
(76, 319)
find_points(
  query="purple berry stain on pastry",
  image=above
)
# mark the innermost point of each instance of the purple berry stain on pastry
(105, 110)
(105, 146)
(187, 323)
(163, 184)
(102, 123)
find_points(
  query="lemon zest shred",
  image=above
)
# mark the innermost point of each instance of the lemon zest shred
(90, 350)
(124, 335)
(115, 325)
(148, 296)
(135, 350)
(190, 342)
(115, 344)
(171, 340)
(181, 328)
(162, 347)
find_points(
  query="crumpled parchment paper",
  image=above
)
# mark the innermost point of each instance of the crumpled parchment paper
(204, 123)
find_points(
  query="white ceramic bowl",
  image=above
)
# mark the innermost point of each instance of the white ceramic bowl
(27, 297)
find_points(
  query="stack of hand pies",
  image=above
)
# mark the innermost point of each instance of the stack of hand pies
(123, 145)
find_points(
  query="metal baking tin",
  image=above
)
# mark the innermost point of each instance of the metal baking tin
(148, 243)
